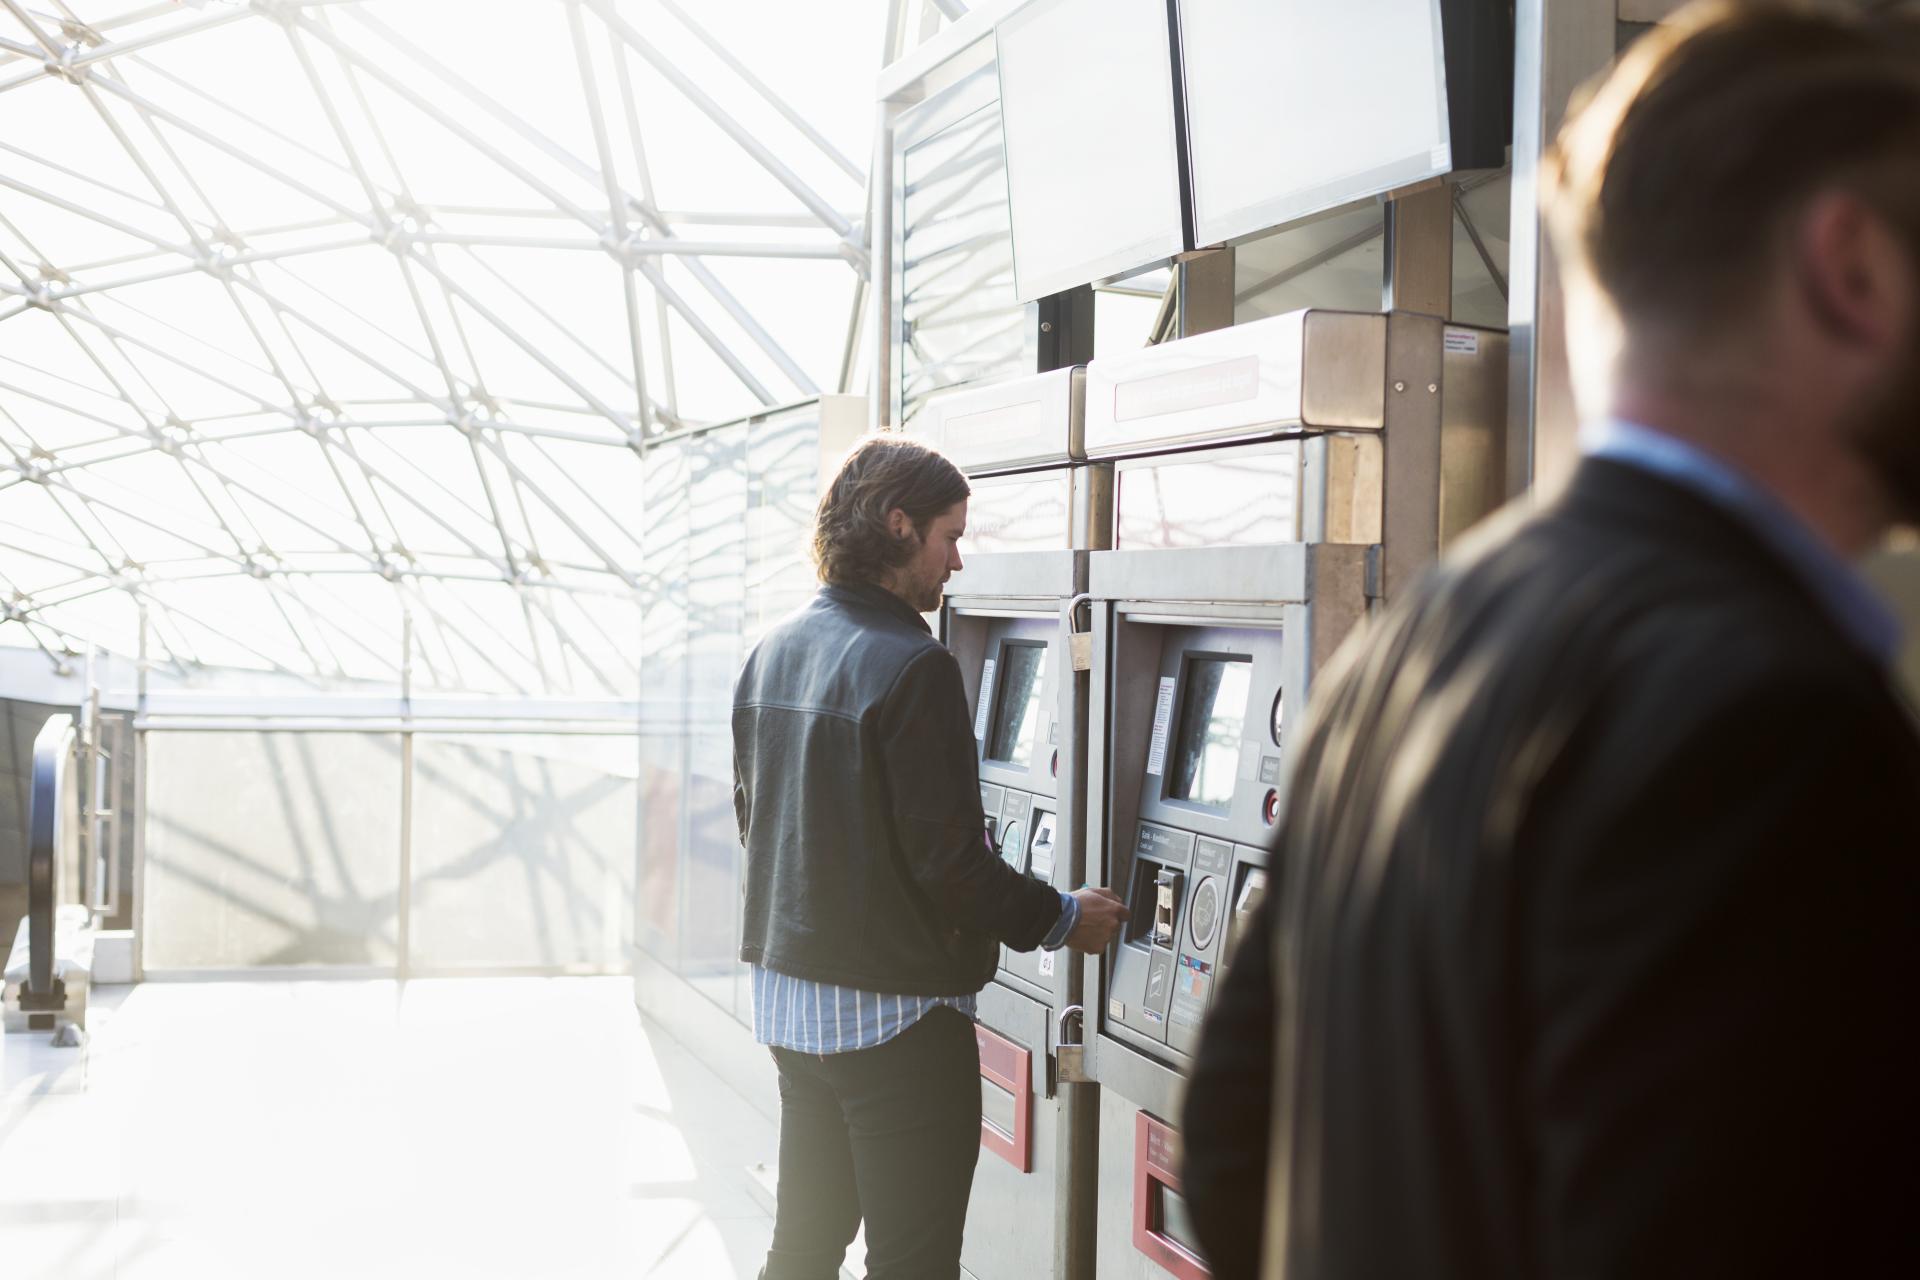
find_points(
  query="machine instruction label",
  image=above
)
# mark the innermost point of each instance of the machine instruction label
(986, 699)
(1462, 342)
(1162, 723)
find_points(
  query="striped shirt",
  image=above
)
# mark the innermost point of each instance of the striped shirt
(819, 1017)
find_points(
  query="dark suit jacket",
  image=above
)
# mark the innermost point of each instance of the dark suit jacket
(1593, 950)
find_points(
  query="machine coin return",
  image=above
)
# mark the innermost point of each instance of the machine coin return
(1006, 1104)
(1161, 1228)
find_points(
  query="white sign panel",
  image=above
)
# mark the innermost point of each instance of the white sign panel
(1162, 725)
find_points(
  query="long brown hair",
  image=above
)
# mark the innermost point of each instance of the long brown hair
(851, 543)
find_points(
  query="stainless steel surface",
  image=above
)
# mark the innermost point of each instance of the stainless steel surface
(1093, 507)
(1341, 488)
(1473, 428)
(1301, 371)
(1040, 579)
(1419, 275)
(1039, 1222)
(1119, 1259)
(1282, 609)
(1412, 464)
(1014, 1219)
(1557, 47)
(1344, 357)
(1275, 573)
(1008, 426)
(1205, 293)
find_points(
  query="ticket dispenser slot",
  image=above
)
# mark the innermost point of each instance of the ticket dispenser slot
(1166, 905)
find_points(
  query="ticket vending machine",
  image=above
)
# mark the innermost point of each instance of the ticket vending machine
(1274, 482)
(1037, 511)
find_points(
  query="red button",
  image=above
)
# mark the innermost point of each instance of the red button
(1270, 811)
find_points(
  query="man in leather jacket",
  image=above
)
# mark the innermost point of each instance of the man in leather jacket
(874, 905)
(1592, 952)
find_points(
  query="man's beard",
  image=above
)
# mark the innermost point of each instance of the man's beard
(1887, 434)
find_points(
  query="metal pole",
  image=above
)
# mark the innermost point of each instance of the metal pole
(1557, 46)
(403, 925)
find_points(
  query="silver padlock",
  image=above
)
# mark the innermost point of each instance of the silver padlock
(1070, 1058)
(1079, 643)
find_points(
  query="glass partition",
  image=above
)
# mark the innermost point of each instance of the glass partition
(728, 516)
(522, 850)
(272, 849)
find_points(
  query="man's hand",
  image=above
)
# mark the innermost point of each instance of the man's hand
(1101, 915)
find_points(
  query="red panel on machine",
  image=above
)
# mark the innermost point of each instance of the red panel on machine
(1008, 1065)
(1156, 1156)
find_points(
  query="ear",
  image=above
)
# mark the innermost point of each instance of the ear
(1853, 270)
(899, 525)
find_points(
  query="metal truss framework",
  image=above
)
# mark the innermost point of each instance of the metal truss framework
(401, 446)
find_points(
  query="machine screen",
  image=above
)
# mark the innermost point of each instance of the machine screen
(1207, 748)
(1016, 719)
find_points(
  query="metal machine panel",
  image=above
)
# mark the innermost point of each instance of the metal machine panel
(1473, 435)
(1023, 695)
(1004, 623)
(1277, 573)
(1304, 371)
(1206, 798)
(1030, 575)
(1008, 426)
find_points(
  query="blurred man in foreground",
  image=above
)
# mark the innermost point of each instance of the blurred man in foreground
(1593, 948)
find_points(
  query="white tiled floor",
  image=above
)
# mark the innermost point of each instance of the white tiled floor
(514, 1128)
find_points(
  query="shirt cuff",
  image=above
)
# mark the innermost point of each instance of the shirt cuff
(1069, 917)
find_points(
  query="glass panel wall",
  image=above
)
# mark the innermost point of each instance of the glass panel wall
(522, 850)
(728, 518)
(272, 849)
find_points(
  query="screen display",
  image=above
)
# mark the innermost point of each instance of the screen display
(1093, 164)
(1297, 106)
(1016, 718)
(1206, 752)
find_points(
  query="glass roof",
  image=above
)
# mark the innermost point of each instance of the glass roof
(319, 321)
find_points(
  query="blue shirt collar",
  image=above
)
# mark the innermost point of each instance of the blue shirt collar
(1837, 584)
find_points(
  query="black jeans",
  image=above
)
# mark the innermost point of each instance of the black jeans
(889, 1134)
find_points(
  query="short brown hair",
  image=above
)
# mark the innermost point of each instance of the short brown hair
(1678, 173)
(851, 543)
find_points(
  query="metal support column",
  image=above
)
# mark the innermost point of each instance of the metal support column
(1557, 46)
(1065, 324)
(1205, 291)
(1418, 260)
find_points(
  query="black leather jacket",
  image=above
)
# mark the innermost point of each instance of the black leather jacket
(858, 797)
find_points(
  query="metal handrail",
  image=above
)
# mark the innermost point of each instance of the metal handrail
(54, 757)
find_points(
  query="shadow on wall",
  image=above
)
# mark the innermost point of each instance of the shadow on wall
(284, 849)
